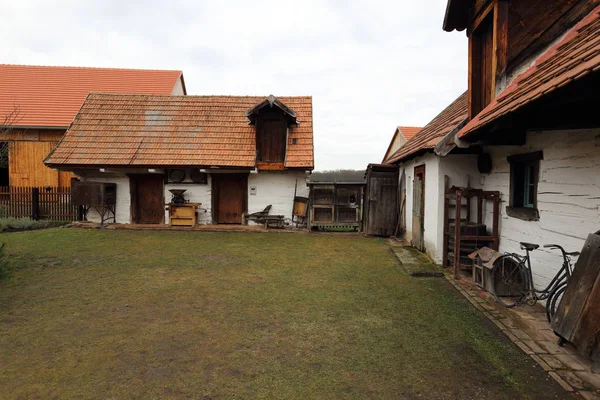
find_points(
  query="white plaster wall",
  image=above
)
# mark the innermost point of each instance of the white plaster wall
(432, 202)
(194, 193)
(461, 170)
(122, 214)
(568, 195)
(178, 89)
(277, 189)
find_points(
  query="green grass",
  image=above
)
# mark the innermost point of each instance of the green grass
(133, 314)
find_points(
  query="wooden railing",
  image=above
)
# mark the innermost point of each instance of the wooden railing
(52, 203)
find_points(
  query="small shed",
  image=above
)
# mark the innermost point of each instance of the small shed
(336, 204)
(381, 200)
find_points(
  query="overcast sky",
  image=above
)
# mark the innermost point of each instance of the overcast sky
(369, 65)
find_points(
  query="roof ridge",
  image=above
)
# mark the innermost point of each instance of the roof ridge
(199, 95)
(88, 67)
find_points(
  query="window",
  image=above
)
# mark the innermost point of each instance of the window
(524, 175)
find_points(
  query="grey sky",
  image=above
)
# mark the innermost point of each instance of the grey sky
(369, 65)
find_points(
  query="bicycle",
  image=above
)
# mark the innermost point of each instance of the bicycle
(512, 279)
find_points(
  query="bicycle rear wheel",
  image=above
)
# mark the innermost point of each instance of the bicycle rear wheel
(510, 283)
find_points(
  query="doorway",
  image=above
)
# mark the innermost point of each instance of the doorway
(418, 210)
(147, 199)
(230, 198)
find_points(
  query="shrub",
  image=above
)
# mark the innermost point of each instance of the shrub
(24, 224)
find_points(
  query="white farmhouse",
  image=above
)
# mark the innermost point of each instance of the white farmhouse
(231, 154)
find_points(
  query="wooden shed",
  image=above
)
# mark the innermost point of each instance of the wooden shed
(381, 200)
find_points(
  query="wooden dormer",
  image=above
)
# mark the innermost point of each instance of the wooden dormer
(271, 119)
(505, 35)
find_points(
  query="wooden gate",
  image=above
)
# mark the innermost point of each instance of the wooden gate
(381, 200)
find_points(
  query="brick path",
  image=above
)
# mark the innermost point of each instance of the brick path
(529, 329)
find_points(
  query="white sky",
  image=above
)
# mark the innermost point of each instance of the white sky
(369, 65)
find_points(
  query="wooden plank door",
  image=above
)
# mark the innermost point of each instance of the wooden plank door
(229, 197)
(418, 224)
(271, 138)
(383, 204)
(147, 199)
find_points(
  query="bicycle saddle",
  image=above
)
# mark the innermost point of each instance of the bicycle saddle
(528, 246)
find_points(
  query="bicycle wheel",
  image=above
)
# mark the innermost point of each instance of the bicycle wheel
(510, 282)
(554, 300)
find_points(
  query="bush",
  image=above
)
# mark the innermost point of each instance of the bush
(26, 224)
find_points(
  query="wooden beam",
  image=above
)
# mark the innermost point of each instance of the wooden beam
(500, 46)
(470, 80)
(481, 16)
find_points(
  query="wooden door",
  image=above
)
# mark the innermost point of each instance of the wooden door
(147, 199)
(418, 225)
(229, 197)
(382, 209)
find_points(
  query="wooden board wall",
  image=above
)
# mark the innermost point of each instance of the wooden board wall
(26, 165)
(27, 150)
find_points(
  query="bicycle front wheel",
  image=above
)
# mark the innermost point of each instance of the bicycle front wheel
(510, 282)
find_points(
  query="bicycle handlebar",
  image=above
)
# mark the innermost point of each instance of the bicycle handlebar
(552, 246)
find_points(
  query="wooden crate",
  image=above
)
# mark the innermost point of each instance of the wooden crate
(183, 214)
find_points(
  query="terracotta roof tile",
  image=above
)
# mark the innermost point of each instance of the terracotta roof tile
(138, 130)
(431, 134)
(575, 56)
(51, 96)
(409, 131)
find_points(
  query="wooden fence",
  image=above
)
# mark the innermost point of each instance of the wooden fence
(52, 203)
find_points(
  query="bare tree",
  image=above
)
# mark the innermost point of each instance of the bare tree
(8, 124)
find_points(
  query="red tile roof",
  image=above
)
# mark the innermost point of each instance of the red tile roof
(51, 96)
(432, 133)
(137, 130)
(409, 131)
(572, 58)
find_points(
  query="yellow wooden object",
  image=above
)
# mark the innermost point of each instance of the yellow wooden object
(183, 214)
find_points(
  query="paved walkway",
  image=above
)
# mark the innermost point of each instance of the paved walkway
(529, 329)
(525, 326)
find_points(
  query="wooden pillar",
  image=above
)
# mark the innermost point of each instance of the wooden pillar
(496, 219)
(446, 222)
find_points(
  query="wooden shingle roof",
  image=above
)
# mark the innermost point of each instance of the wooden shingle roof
(138, 130)
(431, 134)
(572, 58)
(51, 96)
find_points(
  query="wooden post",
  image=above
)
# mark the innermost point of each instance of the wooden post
(35, 204)
(496, 218)
(446, 222)
(457, 233)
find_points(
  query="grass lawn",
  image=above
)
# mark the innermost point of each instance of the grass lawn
(133, 314)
